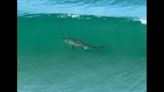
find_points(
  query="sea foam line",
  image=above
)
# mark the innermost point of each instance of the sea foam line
(143, 21)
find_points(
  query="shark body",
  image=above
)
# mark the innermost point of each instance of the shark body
(79, 43)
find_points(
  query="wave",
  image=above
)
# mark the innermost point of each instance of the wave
(112, 8)
(85, 17)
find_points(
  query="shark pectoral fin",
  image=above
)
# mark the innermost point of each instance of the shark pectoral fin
(85, 48)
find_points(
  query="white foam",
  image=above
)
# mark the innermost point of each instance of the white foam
(143, 21)
(73, 15)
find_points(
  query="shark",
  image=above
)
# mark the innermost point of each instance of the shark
(79, 43)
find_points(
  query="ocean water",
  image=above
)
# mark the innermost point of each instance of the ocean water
(47, 64)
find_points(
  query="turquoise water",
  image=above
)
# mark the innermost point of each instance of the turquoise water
(47, 64)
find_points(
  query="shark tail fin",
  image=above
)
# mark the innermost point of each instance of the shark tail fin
(97, 47)
(101, 47)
